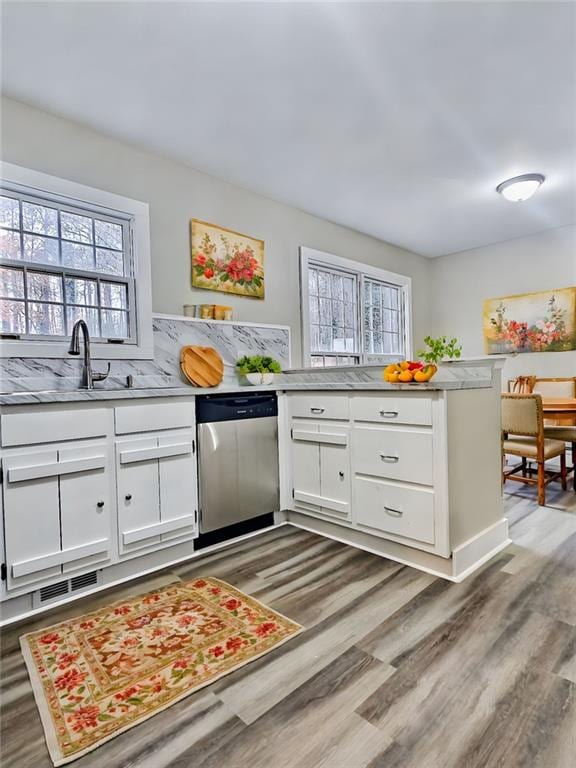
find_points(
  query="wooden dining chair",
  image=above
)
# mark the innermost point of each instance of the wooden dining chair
(523, 436)
(556, 387)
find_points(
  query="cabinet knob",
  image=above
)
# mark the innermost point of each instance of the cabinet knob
(100, 504)
(317, 410)
(128, 497)
(341, 474)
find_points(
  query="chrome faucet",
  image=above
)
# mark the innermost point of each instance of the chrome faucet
(88, 375)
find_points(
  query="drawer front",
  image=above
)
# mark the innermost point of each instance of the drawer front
(52, 426)
(406, 512)
(154, 416)
(323, 405)
(393, 453)
(382, 409)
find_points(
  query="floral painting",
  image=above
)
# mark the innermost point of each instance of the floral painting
(531, 322)
(224, 260)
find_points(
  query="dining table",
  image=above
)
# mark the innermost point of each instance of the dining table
(563, 408)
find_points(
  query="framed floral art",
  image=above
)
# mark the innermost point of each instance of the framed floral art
(224, 260)
(531, 322)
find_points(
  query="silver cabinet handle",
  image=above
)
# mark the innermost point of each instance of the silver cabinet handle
(389, 414)
(393, 512)
(317, 410)
(390, 459)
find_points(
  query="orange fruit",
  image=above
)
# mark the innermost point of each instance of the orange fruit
(392, 368)
(392, 377)
(404, 365)
(406, 376)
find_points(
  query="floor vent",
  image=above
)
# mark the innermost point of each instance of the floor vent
(86, 580)
(55, 592)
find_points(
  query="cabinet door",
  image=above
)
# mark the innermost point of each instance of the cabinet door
(178, 487)
(84, 507)
(306, 465)
(31, 517)
(335, 474)
(138, 493)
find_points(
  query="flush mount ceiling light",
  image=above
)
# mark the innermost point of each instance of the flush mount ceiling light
(520, 188)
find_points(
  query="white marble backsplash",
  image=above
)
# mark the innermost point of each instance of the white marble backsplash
(232, 340)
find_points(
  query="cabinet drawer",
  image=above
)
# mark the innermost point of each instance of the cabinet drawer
(52, 426)
(319, 406)
(406, 512)
(407, 409)
(155, 416)
(394, 453)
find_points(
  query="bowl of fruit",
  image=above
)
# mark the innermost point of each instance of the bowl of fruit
(409, 371)
(415, 371)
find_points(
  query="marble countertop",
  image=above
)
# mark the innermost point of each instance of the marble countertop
(83, 395)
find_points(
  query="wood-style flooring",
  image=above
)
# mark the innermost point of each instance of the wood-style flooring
(396, 668)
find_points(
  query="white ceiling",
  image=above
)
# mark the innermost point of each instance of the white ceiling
(397, 119)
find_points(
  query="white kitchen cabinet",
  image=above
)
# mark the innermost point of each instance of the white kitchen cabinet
(56, 511)
(157, 490)
(321, 468)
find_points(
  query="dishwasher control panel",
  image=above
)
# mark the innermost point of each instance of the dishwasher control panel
(214, 408)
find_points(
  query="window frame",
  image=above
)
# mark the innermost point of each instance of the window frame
(311, 256)
(25, 181)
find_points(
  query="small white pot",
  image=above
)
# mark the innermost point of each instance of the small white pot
(258, 379)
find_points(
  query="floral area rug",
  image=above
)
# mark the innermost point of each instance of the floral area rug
(98, 675)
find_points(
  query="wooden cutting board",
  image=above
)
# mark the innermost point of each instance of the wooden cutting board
(202, 366)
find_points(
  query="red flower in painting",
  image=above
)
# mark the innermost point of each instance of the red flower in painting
(122, 609)
(69, 680)
(266, 628)
(233, 643)
(200, 259)
(84, 717)
(208, 272)
(232, 604)
(65, 659)
(51, 637)
(216, 651)
(199, 583)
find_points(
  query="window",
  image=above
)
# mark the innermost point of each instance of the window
(352, 313)
(63, 259)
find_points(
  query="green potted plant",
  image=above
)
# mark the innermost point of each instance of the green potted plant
(258, 369)
(438, 350)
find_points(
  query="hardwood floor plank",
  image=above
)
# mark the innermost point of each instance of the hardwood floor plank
(254, 689)
(311, 720)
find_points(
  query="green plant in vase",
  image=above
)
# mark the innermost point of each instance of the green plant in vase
(437, 350)
(258, 369)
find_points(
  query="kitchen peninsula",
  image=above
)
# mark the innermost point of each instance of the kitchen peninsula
(101, 486)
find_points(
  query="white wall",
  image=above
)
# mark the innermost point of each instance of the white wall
(176, 193)
(461, 281)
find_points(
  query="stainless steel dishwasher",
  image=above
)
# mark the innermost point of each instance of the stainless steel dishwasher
(238, 459)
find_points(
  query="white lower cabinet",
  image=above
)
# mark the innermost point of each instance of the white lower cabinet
(398, 510)
(56, 511)
(157, 490)
(321, 468)
(372, 466)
